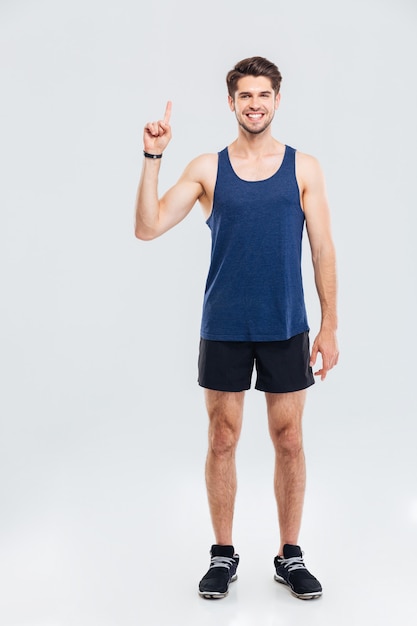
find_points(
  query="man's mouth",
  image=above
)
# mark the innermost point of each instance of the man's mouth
(255, 116)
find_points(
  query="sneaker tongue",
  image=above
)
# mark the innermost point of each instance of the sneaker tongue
(222, 550)
(290, 551)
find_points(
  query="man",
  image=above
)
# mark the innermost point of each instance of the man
(256, 195)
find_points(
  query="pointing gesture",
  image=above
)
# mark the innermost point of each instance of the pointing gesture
(157, 135)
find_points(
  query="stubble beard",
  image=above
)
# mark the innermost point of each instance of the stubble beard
(256, 131)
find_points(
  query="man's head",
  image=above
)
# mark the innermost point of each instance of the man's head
(253, 66)
(254, 96)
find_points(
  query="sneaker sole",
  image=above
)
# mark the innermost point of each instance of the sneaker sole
(216, 595)
(301, 596)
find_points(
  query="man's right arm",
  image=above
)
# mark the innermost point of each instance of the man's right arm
(154, 215)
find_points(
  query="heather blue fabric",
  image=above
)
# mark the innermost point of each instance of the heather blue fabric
(254, 289)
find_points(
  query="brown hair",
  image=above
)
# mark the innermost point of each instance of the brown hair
(253, 66)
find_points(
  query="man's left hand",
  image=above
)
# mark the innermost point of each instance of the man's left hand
(326, 344)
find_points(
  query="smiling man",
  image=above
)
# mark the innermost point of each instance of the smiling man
(257, 194)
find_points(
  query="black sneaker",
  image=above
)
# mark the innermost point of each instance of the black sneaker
(292, 572)
(222, 571)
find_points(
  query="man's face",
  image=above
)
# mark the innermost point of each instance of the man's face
(254, 103)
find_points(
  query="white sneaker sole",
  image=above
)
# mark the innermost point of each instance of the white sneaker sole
(301, 596)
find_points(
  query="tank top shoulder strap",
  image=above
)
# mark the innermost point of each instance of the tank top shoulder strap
(223, 158)
(288, 164)
(224, 167)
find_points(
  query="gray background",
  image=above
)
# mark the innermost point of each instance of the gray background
(103, 518)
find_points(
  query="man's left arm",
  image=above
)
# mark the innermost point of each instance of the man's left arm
(317, 215)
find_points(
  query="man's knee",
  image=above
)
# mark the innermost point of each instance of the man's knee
(225, 415)
(287, 440)
(224, 432)
(285, 413)
(223, 436)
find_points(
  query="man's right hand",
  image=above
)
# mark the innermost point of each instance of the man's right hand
(157, 135)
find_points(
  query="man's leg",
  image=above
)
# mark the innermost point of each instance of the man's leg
(285, 411)
(225, 411)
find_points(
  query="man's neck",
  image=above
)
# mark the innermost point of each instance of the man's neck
(252, 146)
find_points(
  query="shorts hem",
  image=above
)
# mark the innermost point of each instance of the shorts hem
(292, 390)
(224, 388)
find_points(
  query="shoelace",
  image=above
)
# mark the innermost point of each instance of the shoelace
(221, 561)
(293, 563)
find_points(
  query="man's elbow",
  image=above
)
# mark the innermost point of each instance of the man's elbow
(145, 234)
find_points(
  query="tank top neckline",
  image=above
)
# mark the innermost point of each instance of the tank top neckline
(261, 180)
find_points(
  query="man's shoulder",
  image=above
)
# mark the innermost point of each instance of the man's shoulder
(202, 170)
(308, 172)
(307, 165)
(308, 160)
(203, 167)
(207, 159)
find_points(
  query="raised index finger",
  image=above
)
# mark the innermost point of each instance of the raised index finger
(167, 114)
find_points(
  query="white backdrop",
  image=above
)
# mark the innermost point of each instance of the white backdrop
(102, 422)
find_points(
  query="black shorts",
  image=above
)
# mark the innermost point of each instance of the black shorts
(281, 366)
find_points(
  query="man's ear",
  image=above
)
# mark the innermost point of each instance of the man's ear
(277, 100)
(231, 103)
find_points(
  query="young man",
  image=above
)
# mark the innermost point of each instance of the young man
(256, 195)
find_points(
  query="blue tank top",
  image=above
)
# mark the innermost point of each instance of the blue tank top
(254, 289)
